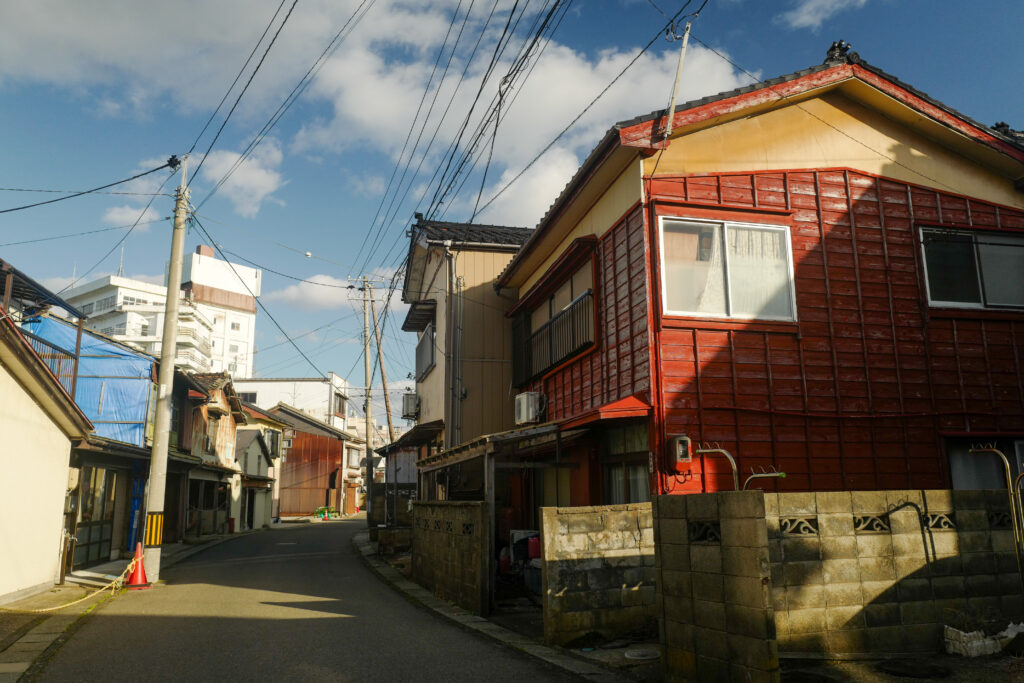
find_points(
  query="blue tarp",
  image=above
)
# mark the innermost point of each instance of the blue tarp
(114, 382)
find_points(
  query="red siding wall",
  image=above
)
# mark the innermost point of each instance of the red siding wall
(618, 366)
(856, 394)
(305, 474)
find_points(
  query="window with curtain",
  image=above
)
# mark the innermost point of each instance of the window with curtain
(727, 270)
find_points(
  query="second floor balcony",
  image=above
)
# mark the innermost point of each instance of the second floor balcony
(567, 333)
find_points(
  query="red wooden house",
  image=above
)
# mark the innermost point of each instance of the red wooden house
(823, 274)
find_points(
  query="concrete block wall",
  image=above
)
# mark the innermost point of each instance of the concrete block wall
(450, 552)
(714, 587)
(882, 571)
(598, 571)
(745, 577)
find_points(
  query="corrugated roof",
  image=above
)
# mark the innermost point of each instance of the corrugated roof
(471, 233)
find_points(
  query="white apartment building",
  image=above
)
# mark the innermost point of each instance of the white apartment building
(226, 293)
(216, 313)
(323, 398)
(132, 311)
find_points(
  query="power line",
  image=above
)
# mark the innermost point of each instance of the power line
(259, 303)
(389, 214)
(244, 88)
(237, 76)
(133, 194)
(582, 113)
(303, 252)
(173, 161)
(95, 189)
(81, 234)
(300, 87)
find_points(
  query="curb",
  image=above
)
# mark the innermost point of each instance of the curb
(477, 624)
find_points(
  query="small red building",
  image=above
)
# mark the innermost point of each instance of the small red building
(822, 274)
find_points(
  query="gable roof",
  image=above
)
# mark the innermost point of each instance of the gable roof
(245, 438)
(470, 236)
(296, 419)
(998, 144)
(470, 233)
(29, 370)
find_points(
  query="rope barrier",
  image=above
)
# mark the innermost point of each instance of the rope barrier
(114, 586)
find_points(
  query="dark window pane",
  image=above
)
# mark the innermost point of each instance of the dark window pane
(1002, 268)
(952, 270)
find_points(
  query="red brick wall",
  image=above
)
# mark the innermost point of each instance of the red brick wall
(856, 394)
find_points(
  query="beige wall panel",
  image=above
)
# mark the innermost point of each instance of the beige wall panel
(807, 135)
(623, 193)
(34, 460)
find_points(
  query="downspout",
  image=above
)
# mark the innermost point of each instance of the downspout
(460, 391)
(448, 342)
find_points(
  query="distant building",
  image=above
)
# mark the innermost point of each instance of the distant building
(216, 314)
(324, 398)
(226, 293)
(132, 311)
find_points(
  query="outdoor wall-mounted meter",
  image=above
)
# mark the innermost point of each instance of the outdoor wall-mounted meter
(682, 450)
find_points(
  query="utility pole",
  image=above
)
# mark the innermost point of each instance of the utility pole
(367, 410)
(161, 432)
(383, 375)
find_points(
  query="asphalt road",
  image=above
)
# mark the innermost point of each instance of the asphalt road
(287, 604)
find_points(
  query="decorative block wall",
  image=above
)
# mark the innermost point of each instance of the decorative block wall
(598, 573)
(450, 552)
(745, 577)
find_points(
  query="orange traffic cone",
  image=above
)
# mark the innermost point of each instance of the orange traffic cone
(137, 581)
(325, 514)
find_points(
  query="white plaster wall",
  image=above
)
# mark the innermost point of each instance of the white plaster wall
(212, 272)
(34, 457)
(312, 396)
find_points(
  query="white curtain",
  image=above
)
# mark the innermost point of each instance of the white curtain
(759, 273)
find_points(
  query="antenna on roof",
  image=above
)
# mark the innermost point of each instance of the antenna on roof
(120, 268)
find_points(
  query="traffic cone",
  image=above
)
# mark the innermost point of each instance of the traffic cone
(137, 581)
(325, 514)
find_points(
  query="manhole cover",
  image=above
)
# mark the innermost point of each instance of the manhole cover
(913, 668)
(642, 653)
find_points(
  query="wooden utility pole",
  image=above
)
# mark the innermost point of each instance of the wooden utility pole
(161, 433)
(383, 375)
(367, 410)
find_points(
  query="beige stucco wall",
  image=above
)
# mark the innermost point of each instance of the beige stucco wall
(486, 344)
(34, 460)
(831, 131)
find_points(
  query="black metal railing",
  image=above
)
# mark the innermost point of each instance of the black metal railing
(569, 332)
(60, 361)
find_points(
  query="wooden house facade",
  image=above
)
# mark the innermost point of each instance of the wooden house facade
(820, 274)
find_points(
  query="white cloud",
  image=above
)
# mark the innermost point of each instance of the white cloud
(128, 215)
(813, 13)
(308, 296)
(255, 179)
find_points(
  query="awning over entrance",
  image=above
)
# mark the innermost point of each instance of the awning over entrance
(624, 408)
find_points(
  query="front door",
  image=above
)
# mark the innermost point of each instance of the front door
(250, 506)
(95, 516)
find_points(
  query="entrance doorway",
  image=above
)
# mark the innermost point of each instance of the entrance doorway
(95, 529)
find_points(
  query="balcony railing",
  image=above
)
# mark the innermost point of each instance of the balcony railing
(569, 332)
(60, 361)
(193, 338)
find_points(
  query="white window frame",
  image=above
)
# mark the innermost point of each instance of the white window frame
(784, 229)
(982, 305)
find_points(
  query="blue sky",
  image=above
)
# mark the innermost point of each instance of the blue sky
(94, 92)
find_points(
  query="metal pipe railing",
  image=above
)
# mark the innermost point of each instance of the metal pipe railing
(1015, 503)
(732, 461)
(763, 475)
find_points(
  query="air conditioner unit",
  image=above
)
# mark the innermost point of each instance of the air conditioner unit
(529, 407)
(410, 406)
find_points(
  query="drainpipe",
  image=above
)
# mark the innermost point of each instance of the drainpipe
(459, 391)
(448, 343)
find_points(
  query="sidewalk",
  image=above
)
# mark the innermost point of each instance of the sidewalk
(467, 620)
(26, 638)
